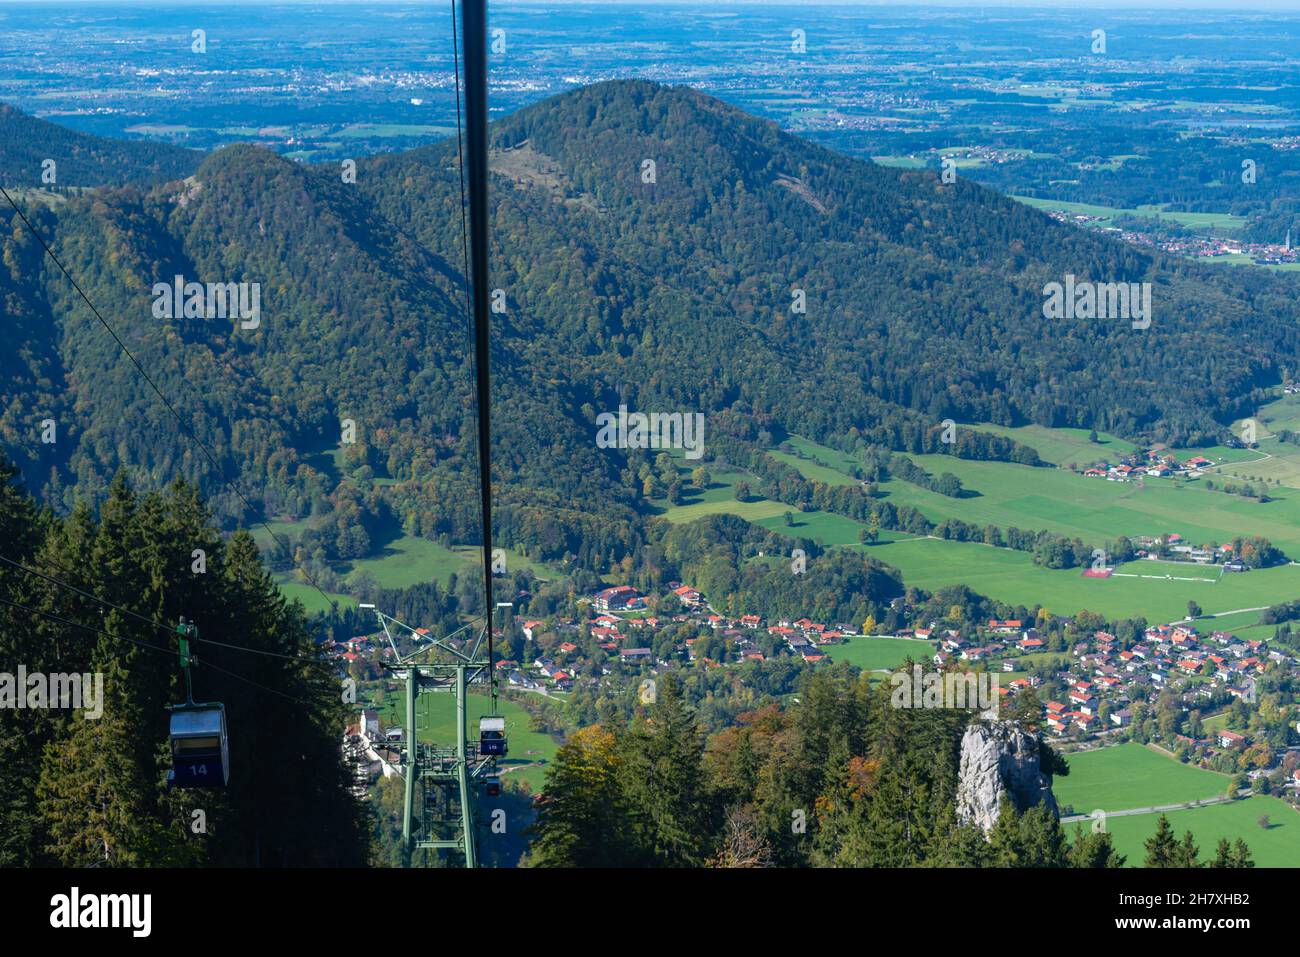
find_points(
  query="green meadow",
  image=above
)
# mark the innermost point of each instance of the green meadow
(720, 498)
(1062, 446)
(873, 653)
(1013, 577)
(1282, 413)
(1057, 499)
(1276, 846)
(401, 562)
(1095, 509)
(1130, 776)
(1107, 214)
(310, 597)
(1043, 498)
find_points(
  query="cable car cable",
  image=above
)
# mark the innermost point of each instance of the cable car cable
(301, 701)
(476, 115)
(169, 630)
(485, 490)
(188, 431)
(143, 644)
(93, 631)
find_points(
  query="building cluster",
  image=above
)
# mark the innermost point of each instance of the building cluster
(1104, 679)
(626, 633)
(1155, 463)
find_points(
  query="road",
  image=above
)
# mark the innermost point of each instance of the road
(1205, 802)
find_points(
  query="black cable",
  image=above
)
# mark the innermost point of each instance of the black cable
(93, 631)
(460, 165)
(250, 681)
(170, 408)
(157, 624)
(142, 644)
(476, 115)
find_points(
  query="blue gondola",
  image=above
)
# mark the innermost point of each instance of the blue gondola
(492, 786)
(492, 735)
(200, 747)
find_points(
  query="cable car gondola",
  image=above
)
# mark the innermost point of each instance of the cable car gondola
(492, 786)
(200, 746)
(492, 735)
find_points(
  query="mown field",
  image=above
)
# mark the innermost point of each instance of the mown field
(873, 653)
(720, 499)
(1096, 510)
(1218, 221)
(1061, 501)
(1130, 776)
(399, 562)
(1276, 846)
(1013, 577)
(1035, 498)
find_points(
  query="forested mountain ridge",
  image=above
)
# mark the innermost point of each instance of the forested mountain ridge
(920, 294)
(924, 302)
(81, 159)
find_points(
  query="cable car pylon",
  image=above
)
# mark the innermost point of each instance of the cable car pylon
(439, 778)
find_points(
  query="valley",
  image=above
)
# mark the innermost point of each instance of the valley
(826, 239)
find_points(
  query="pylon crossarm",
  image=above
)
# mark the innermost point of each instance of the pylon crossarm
(440, 644)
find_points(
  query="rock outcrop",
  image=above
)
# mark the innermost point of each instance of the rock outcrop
(999, 758)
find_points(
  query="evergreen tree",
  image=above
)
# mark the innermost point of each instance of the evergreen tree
(662, 777)
(582, 815)
(1161, 847)
(1093, 849)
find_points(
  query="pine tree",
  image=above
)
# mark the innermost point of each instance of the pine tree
(1240, 856)
(1187, 852)
(1161, 847)
(1094, 849)
(662, 778)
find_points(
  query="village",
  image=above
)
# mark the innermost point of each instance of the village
(1082, 692)
(1153, 462)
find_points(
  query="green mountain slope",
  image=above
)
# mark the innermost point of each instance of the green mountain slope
(924, 301)
(82, 159)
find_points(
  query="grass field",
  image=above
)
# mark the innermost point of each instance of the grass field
(1132, 776)
(720, 498)
(1279, 846)
(407, 561)
(1282, 413)
(1095, 509)
(1215, 723)
(1037, 498)
(1013, 577)
(400, 562)
(1219, 221)
(311, 599)
(814, 470)
(1091, 509)
(1061, 446)
(872, 653)
(530, 751)
(841, 463)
